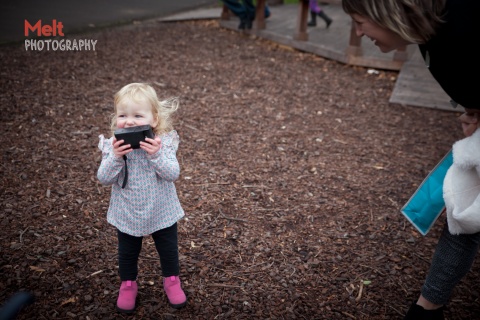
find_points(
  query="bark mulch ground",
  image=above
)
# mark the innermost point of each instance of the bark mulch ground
(294, 170)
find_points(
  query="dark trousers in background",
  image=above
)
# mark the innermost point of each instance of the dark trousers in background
(244, 9)
(129, 247)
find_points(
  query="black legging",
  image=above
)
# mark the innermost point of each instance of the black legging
(129, 247)
(453, 258)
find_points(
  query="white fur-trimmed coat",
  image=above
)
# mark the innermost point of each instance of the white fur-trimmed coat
(461, 187)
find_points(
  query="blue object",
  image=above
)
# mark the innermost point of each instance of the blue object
(15, 304)
(426, 204)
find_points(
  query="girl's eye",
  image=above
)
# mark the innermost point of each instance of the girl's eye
(138, 116)
(120, 116)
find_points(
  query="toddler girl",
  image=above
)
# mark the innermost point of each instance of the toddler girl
(147, 204)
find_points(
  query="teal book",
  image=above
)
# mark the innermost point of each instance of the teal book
(427, 204)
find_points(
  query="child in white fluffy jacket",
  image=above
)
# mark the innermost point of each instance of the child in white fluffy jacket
(461, 187)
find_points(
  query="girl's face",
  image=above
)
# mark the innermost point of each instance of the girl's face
(134, 113)
(470, 121)
(385, 39)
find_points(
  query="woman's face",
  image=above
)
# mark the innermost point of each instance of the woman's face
(385, 39)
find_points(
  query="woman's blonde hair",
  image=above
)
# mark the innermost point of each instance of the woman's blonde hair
(162, 110)
(414, 20)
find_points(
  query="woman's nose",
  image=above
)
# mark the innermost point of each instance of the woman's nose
(358, 32)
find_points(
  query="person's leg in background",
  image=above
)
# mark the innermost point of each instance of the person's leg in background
(245, 11)
(315, 10)
(250, 13)
(267, 12)
(312, 5)
(238, 9)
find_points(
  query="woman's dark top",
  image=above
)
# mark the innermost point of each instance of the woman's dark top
(452, 55)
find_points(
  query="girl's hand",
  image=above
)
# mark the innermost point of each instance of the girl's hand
(118, 150)
(151, 146)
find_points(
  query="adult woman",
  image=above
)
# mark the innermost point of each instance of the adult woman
(445, 31)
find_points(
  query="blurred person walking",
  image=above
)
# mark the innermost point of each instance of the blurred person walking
(316, 10)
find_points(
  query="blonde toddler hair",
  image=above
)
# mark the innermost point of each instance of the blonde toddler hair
(140, 92)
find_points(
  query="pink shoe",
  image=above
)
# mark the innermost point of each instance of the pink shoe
(174, 292)
(127, 296)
